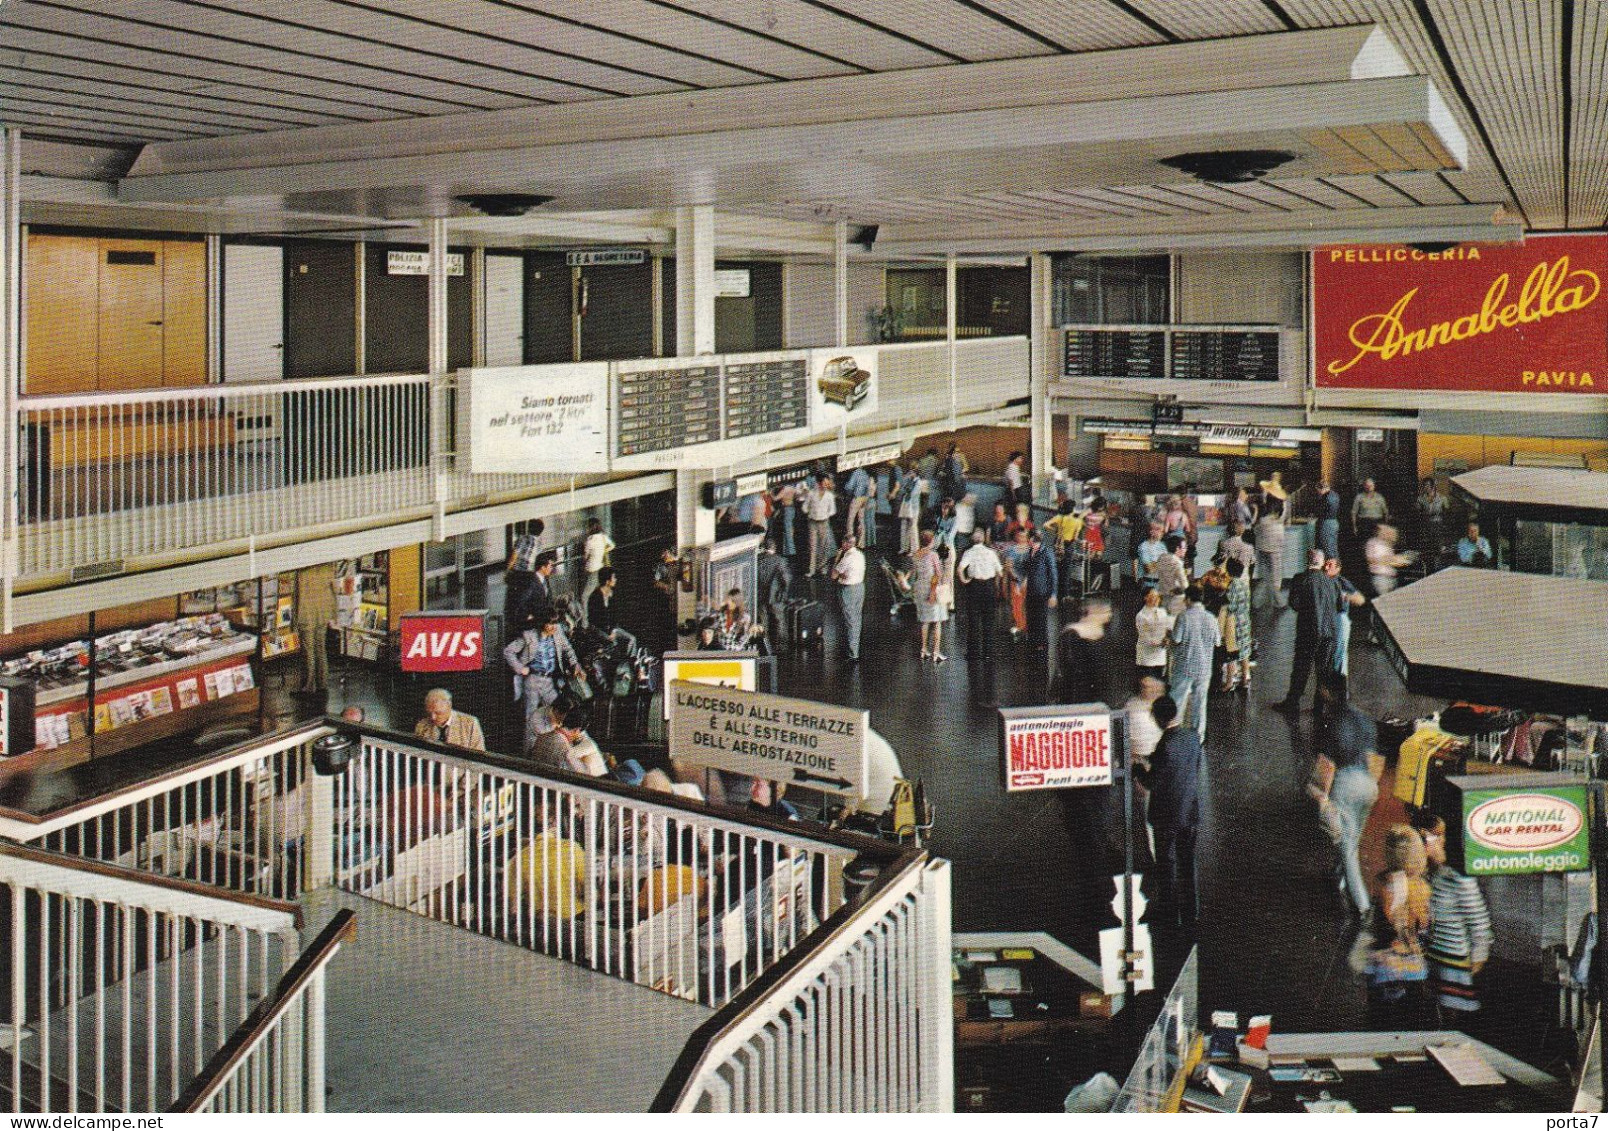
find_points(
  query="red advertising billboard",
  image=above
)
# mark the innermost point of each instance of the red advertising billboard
(1056, 747)
(444, 642)
(1488, 318)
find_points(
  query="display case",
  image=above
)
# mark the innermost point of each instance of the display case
(363, 606)
(149, 683)
(264, 605)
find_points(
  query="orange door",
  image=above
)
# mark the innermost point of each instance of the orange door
(131, 322)
(63, 348)
(184, 312)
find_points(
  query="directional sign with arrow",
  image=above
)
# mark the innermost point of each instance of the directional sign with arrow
(817, 745)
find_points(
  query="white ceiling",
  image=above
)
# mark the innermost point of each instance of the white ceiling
(206, 82)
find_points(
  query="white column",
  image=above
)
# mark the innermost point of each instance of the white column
(951, 294)
(1040, 359)
(11, 348)
(695, 280)
(214, 309)
(695, 335)
(436, 322)
(438, 295)
(840, 282)
(477, 305)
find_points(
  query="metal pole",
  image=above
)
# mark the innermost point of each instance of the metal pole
(1119, 725)
(90, 710)
(1599, 849)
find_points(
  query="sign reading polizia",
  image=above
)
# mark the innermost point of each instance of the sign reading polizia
(1057, 747)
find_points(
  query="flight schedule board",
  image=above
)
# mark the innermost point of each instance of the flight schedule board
(661, 409)
(766, 396)
(1225, 355)
(1116, 353)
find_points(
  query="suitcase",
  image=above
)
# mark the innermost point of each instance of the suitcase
(806, 624)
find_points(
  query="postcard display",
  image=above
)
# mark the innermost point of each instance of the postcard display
(269, 600)
(162, 672)
(363, 605)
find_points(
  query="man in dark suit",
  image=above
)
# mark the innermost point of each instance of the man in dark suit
(1316, 598)
(1173, 780)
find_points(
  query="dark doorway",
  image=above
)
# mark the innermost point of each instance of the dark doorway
(549, 322)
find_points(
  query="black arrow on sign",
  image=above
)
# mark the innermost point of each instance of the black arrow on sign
(805, 775)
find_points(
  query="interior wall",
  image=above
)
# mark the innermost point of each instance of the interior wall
(811, 320)
(1444, 454)
(986, 447)
(1237, 287)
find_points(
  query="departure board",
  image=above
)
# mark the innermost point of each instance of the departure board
(660, 409)
(766, 396)
(1116, 353)
(1225, 355)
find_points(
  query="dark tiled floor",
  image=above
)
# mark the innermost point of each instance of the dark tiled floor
(1274, 935)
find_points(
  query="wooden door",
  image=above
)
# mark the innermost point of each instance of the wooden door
(63, 342)
(131, 322)
(184, 312)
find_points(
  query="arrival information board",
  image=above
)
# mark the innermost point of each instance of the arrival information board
(810, 744)
(1225, 355)
(766, 396)
(660, 409)
(1116, 353)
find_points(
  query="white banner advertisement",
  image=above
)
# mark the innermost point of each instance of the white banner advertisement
(816, 745)
(843, 386)
(530, 418)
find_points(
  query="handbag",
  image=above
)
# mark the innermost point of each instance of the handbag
(1388, 965)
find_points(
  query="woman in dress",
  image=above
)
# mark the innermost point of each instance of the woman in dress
(1153, 629)
(926, 578)
(1236, 623)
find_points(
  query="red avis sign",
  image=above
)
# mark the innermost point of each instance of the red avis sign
(1528, 317)
(1053, 748)
(443, 642)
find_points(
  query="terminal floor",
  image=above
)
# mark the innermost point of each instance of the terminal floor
(425, 1016)
(1274, 934)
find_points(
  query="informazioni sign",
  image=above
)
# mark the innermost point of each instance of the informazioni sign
(1509, 832)
(1056, 747)
(799, 741)
(1523, 317)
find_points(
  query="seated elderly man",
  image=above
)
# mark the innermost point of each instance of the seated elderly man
(442, 724)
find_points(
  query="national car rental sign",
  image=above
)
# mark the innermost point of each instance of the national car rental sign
(1524, 317)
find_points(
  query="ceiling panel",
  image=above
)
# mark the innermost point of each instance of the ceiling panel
(497, 71)
(961, 33)
(1077, 25)
(1323, 193)
(1424, 188)
(254, 114)
(14, 89)
(631, 34)
(112, 41)
(1588, 145)
(804, 26)
(1198, 19)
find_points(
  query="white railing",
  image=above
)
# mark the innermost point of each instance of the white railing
(236, 820)
(275, 1060)
(108, 482)
(860, 1021)
(110, 478)
(670, 895)
(121, 986)
(1165, 1053)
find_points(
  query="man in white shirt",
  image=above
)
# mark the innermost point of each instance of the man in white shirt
(820, 505)
(597, 549)
(979, 573)
(849, 573)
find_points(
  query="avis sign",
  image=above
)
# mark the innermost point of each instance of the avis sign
(444, 642)
(1510, 832)
(1056, 747)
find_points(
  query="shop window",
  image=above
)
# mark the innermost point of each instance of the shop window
(1118, 290)
(990, 301)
